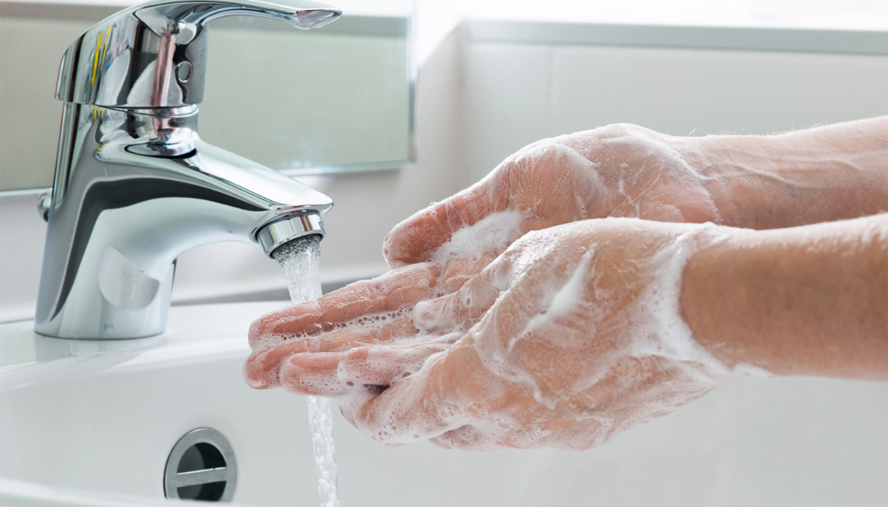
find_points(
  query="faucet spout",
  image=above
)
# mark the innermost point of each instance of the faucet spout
(143, 188)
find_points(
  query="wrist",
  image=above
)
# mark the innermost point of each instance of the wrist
(710, 300)
(730, 167)
(800, 301)
(800, 178)
(681, 335)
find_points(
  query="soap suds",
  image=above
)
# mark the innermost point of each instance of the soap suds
(492, 234)
(669, 335)
(540, 288)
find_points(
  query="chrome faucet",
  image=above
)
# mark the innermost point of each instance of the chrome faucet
(135, 186)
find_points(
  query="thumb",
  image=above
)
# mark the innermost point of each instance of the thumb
(417, 238)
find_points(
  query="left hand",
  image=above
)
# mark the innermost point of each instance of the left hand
(569, 337)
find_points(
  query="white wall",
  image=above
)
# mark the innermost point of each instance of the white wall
(822, 14)
(29, 127)
(519, 93)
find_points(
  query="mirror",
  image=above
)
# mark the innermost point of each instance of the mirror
(336, 99)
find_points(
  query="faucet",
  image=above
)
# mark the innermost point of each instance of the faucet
(135, 186)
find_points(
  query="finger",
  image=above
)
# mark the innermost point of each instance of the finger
(459, 311)
(385, 294)
(333, 373)
(263, 368)
(313, 374)
(459, 271)
(417, 238)
(383, 365)
(424, 405)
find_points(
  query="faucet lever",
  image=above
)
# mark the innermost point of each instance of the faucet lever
(153, 55)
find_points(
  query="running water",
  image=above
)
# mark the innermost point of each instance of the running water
(301, 261)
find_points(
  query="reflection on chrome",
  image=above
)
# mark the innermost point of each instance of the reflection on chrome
(154, 54)
(135, 186)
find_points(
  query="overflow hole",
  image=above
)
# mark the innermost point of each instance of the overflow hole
(201, 467)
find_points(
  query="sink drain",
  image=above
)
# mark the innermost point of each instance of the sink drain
(201, 466)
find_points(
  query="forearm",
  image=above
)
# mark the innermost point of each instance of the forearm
(823, 174)
(807, 300)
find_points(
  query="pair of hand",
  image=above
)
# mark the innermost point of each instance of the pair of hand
(511, 317)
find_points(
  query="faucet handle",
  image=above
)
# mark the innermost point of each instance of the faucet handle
(153, 55)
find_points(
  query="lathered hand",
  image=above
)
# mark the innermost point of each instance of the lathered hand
(565, 337)
(620, 170)
(570, 336)
(580, 331)
(755, 182)
(614, 171)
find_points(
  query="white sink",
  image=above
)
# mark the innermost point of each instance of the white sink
(103, 417)
(98, 416)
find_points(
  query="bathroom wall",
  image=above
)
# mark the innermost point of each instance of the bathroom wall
(485, 90)
(328, 98)
(517, 93)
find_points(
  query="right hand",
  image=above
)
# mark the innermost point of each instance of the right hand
(568, 338)
(614, 171)
(619, 170)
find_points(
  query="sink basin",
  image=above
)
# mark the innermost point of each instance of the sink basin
(104, 416)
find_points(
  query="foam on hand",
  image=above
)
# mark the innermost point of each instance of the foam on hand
(674, 338)
(592, 335)
(573, 332)
(668, 335)
(492, 234)
(557, 323)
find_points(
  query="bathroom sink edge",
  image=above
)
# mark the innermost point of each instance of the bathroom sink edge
(195, 333)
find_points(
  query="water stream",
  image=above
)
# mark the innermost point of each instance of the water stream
(301, 261)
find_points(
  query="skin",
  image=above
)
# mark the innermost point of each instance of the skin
(755, 299)
(748, 297)
(766, 182)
